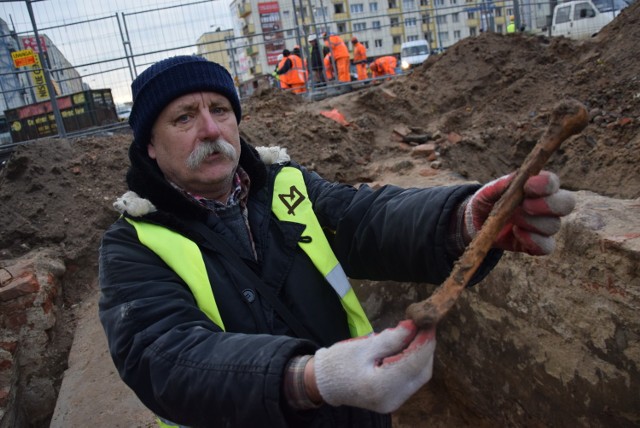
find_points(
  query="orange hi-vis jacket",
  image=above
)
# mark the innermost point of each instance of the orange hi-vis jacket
(328, 67)
(338, 48)
(360, 60)
(297, 74)
(281, 78)
(383, 66)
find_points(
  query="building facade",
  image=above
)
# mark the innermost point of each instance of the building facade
(25, 85)
(264, 28)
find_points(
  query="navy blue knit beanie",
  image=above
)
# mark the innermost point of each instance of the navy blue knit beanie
(171, 78)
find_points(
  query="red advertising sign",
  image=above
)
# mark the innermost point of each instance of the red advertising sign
(31, 43)
(271, 30)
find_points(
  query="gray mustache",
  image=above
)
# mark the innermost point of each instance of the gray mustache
(205, 149)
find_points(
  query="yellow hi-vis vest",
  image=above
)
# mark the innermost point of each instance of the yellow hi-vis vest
(290, 203)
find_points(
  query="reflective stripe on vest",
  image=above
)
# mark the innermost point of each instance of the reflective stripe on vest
(291, 203)
(183, 256)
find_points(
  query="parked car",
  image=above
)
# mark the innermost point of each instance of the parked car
(123, 113)
(582, 19)
(413, 53)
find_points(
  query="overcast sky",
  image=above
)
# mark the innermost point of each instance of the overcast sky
(88, 44)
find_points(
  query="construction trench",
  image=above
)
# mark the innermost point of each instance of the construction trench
(542, 341)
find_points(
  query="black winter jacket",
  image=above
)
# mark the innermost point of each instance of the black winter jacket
(182, 366)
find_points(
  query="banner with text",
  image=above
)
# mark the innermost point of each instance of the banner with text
(271, 30)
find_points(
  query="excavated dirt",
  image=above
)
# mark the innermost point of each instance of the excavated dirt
(484, 104)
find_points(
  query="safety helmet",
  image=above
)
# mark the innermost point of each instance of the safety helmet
(280, 57)
(311, 38)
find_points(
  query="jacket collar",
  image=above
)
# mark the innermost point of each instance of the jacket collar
(151, 192)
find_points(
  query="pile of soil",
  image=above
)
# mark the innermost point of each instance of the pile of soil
(484, 103)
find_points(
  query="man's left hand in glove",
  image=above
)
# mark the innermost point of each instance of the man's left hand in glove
(531, 227)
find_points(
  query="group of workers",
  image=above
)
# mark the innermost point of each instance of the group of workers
(332, 63)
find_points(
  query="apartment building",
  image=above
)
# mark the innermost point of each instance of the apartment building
(216, 46)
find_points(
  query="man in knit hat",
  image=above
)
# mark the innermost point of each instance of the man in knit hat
(223, 301)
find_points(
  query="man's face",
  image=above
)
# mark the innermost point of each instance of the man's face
(196, 142)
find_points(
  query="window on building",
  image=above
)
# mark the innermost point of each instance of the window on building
(338, 8)
(472, 31)
(455, 17)
(356, 8)
(302, 12)
(408, 4)
(498, 11)
(441, 19)
(457, 35)
(410, 22)
(359, 26)
(471, 15)
(393, 4)
(424, 2)
(509, 11)
(377, 43)
(373, 7)
(426, 18)
(320, 12)
(412, 38)
(397, 40)
(499, 28)
(375, 25)
(394, 22)
(440, 2)
(342, 27)
(443, 36)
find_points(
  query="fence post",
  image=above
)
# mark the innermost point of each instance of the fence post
(47, 78)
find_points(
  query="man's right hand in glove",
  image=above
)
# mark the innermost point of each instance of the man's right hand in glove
(378, 372)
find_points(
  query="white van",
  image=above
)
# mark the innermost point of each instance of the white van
(413, 53)
(582, 19)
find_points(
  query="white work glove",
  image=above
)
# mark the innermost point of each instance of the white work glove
(377, 372)
(532, 225)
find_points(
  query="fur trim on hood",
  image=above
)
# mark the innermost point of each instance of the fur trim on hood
(146, 182)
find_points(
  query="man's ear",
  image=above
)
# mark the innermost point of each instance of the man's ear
(151, 150)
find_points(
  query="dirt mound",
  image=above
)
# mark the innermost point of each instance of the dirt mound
(493, 93)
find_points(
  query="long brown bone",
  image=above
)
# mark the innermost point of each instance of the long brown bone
(567, 118)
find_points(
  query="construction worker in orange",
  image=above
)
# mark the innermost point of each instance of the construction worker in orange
(275, 74)
(296, 51)
(383, 66)
(359, 58)
(328, 63)
(292, 72)
(340, 54)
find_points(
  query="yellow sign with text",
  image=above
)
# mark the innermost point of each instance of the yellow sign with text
(23, 58)
(37, 77)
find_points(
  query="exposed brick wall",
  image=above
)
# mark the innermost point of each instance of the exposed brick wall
(28, 291)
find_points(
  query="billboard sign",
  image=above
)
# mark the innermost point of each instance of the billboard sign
(271, 30)
(24, 58)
